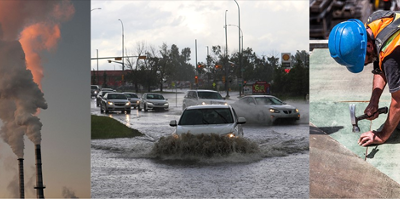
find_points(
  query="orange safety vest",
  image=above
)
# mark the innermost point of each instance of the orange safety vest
(377, 25)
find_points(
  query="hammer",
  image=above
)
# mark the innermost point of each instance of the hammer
(354, 119)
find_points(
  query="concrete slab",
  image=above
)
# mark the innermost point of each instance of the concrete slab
(332, 89)
(336, 172)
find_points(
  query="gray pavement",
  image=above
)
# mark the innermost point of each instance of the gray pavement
(337, 166)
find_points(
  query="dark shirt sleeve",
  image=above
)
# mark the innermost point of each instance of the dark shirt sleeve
(391, 68)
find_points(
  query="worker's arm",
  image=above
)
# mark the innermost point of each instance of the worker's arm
(378, 85)
(393, 119)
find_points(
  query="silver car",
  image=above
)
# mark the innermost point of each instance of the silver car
(202, 97)
(115, 102)
(265, 109)
(209, 119)
(133, 98)
(153, 101)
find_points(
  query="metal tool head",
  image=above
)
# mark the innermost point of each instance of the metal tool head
(353, 118)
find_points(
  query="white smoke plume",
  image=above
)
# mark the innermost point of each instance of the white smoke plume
(26, 29)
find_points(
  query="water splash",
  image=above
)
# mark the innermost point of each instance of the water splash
(195, 147)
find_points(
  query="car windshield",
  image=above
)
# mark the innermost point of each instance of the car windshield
(116, 96)
(206, 116)
(131, 95)
(94, 87)
(209, 95)
(268, 101)
(155, 96)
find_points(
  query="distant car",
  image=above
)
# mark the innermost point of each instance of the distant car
(94, 90)
(113, 101)
(100, 96)
(133, 98)
(153, 101)
(202, 97)
(208, 119)
(265, 109)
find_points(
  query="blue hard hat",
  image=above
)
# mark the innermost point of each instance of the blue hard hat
(348, 44)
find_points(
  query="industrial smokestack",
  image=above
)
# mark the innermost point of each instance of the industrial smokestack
(21, 178)
(39, 177)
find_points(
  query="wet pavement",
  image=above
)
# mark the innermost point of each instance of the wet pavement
(332, 89)
(126, 168)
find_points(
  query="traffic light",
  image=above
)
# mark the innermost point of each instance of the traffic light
(196, 80)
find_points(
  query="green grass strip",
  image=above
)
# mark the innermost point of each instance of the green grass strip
(108, 128)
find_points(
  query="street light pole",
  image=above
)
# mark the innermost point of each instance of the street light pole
(226, 54)
(240, 50)
(97, 53)
(123, 62)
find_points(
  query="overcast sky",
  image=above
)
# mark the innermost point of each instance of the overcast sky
(269, 27)
(66, 122)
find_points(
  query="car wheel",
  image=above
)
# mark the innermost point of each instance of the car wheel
(101, 109)
(145, 109)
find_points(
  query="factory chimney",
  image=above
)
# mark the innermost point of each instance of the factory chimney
(39, 177)
(21, 178)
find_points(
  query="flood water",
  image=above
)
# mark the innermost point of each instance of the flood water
(127, 167)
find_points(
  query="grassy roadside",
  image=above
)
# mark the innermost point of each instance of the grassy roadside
(108, 128)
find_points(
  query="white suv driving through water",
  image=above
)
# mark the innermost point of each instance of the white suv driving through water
(202, 97)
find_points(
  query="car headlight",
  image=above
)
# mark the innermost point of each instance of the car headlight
(166, 104)
(110, 103)
(274, 110)
(225, 103)
(149, 103)
(95, 92)
(128, 103)
(297, 110)
(230, 135)
(203, 103)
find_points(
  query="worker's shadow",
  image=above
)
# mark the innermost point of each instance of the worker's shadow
(325, 130)
(393, 139)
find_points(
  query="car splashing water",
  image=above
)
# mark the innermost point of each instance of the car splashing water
(200, 146)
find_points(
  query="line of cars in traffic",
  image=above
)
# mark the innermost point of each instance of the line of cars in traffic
(110, 100)
(204, 111)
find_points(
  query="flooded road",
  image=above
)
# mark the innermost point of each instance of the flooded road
(126, 168)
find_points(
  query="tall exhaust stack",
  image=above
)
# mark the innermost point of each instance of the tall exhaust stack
(39, 177)
(21, 178)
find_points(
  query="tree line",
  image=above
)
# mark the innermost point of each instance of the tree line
(166, 64)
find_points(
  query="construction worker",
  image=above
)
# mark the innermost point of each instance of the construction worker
(353, 44)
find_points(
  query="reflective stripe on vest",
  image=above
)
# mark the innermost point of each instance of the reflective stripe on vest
(387, 37)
